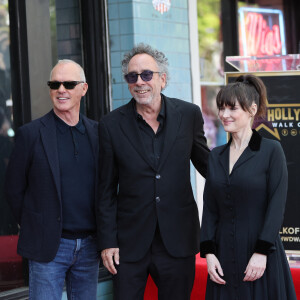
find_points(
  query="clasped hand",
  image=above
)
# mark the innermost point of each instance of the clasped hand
(255, 268)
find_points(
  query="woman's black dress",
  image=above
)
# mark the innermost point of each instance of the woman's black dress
(242, 214)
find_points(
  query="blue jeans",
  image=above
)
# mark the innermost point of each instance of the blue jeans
(76, 263)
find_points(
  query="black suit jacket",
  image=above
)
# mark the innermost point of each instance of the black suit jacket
(135, 195)
(33, 189)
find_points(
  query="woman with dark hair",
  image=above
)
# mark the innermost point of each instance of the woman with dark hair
(244, 202)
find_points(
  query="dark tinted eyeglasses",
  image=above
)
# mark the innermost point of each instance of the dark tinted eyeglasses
(146, 75)
(69, 85)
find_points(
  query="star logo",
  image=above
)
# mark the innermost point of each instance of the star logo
(267, 125)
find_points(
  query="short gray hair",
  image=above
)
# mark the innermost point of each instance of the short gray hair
(159, 57)
(69, 61)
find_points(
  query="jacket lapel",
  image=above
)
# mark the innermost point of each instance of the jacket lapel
(224, 159)
(250, 151)
(92, 134)
(245, 156)
(48, 135)
(130, 129)
(173, 121)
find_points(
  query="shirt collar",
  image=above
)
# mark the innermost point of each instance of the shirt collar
(80, 126)
(63, 127)
(161, 115)
(254, 143)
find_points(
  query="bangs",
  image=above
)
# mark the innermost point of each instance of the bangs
(230, 94)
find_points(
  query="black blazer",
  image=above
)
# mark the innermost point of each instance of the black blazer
(242, 214)
(134, 195)
(251, 199)
(33, 189)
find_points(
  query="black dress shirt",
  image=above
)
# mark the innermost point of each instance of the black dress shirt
(153, 142)
(77, 176)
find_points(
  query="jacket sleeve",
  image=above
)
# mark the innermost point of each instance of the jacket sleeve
(209, 219)
(277, 183)
(200, 150)
(107, 192)
(16, 173)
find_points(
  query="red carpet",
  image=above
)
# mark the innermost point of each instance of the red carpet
(10, 260)
(198, 292)
(296, 278)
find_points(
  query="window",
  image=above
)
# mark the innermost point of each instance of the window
(10, 263)
(211, 68)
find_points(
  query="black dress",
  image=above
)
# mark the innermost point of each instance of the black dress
(242, 214)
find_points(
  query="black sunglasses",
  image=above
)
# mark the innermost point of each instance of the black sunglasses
(146, 75)
(69, 85)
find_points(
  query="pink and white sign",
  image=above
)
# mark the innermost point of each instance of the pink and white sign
(261, 32)
(161, 5)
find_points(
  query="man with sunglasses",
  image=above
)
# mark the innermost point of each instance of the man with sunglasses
(148, 218)
(51, 187)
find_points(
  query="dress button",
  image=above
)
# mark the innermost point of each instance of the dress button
(157, 176)
(228, 196)
(58, 219)
(231, 233)
(232, 221)
(157, 199)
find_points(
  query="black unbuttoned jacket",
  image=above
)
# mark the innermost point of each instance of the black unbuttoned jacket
(135, 195)
(32, 186)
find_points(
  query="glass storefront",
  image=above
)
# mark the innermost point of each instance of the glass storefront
(211, 68)
(10, 263)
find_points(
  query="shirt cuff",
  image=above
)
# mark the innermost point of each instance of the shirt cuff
(264, 247)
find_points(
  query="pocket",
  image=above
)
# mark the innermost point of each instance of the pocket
(31, 231)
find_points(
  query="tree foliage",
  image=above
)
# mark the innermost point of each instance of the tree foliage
(208, 26)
